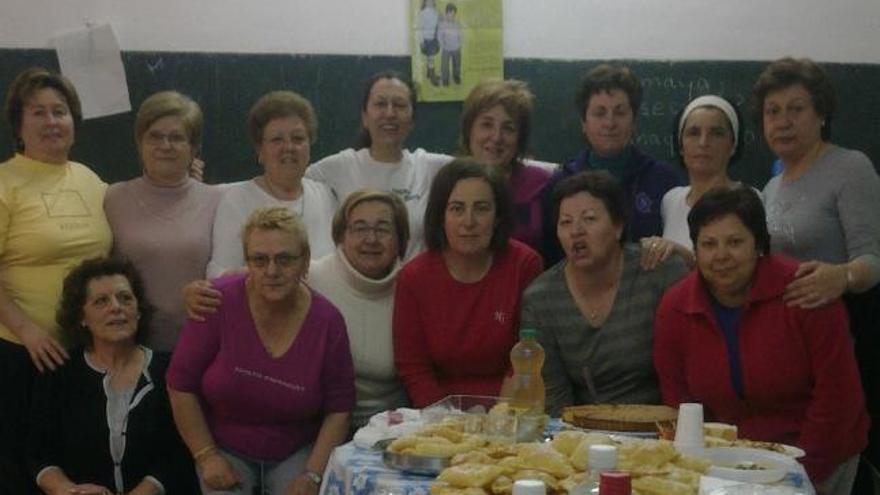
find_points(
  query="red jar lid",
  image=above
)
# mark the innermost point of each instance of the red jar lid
(614, 483)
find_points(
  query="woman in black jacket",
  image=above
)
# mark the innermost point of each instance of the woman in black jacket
(102, 424)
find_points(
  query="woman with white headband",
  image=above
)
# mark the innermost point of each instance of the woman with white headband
(707, 140)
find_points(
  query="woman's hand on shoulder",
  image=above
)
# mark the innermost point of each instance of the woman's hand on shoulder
(816, 283)
(200, 299)
(656, 250)
(302, 485)
(46, 352)
(217, 472)
(197, 170)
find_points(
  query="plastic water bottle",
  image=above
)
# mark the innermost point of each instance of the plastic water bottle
(527, 359)
(602, 459)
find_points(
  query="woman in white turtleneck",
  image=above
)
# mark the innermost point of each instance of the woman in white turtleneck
(371, 232)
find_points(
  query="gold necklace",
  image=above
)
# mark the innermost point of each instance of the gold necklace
(603, 308)
(279, 197)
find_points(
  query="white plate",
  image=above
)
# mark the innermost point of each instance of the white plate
(749, 489)
(792, 451)
(724, 459)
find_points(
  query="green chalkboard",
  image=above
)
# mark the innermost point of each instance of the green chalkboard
(226, 85)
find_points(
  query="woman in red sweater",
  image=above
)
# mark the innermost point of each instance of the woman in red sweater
(456, 308)
(725, 336)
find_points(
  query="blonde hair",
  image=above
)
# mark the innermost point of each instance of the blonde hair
(170, 104)
(276, 218)
(398, 211)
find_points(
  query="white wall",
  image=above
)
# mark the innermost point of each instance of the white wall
(826, 30)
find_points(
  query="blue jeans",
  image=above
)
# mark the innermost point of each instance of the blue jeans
(445, 58)
(262, 477)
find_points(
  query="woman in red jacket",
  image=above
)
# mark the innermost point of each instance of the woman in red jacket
(724, 336)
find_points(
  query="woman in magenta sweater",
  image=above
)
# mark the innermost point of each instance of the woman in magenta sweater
(456, 310)
(725, 337)
(262, 390)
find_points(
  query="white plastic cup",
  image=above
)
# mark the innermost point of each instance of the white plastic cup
(529, 487)
(689, 429)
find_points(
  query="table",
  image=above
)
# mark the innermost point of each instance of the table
(356, 471)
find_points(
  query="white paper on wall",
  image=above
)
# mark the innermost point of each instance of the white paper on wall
(90, 58)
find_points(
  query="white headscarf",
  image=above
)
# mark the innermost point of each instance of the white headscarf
(713, 102)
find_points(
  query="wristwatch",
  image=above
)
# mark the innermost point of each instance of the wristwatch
(314, 477)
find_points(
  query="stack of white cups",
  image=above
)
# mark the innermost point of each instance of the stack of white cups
(689, 430)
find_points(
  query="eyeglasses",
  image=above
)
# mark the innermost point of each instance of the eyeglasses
(174, 139)
(282, 260)
(362, 231)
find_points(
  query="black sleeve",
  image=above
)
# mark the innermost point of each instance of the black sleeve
(44, 435)
(551, 250)
(173, 467)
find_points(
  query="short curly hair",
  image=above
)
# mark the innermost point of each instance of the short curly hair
(605, 78)
(75, 292)
(599, 184)
(787, 72)
(279, 105)
(742, 202)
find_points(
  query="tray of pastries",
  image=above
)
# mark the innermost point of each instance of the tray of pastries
(429, 450)
(619, 417)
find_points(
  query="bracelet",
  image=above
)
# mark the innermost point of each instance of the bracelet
(849, 277)
(314, 477)
(204, 451)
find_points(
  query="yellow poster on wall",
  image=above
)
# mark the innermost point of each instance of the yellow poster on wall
(455, 45)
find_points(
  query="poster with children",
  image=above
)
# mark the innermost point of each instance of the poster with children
(455, 45)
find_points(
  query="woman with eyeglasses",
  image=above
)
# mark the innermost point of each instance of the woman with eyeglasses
(282, 126)
(371, 233)
(162, 221)
(263, 389)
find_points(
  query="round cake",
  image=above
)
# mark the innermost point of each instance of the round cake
(619, 417)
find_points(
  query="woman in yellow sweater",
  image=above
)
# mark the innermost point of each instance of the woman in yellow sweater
(51, 219)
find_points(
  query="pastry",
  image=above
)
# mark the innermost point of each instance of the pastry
(619, 417)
